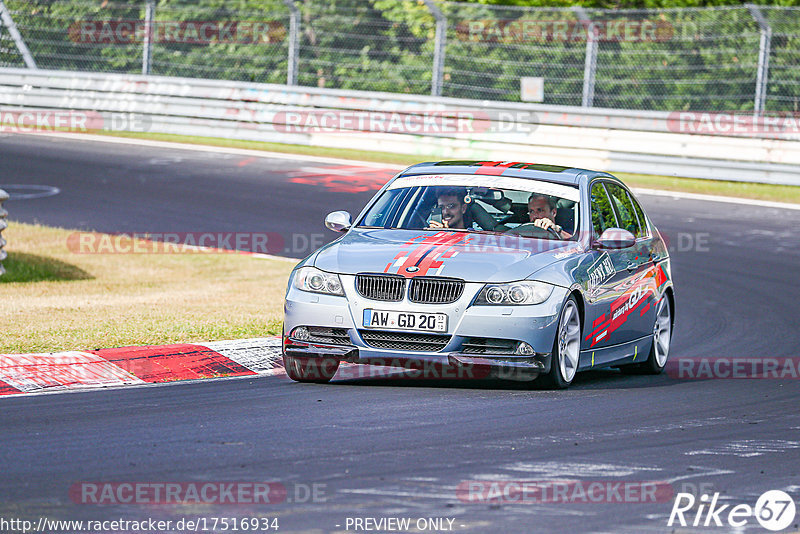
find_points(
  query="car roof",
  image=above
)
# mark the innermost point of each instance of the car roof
(514, 169)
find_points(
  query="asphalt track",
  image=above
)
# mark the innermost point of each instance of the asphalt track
(399, 447)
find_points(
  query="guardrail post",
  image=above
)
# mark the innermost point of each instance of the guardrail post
(438, 48)
(294, 42)
(590, 61)
(147, 46)
(3, 225)
(5, 17)
(764, 46)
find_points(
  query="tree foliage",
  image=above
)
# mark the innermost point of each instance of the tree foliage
(701, 59)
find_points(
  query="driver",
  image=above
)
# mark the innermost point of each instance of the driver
(451, 201)
(542, 213)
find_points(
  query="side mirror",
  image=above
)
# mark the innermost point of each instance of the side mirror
(615, 238)
(338, 221)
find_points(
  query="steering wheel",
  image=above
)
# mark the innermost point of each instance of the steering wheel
(531, 230)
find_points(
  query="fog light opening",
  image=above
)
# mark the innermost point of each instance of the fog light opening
(524, 349)
(301, 334)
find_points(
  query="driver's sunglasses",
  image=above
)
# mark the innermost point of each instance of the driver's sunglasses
(451, 206)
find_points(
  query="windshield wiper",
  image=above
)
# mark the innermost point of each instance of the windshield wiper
(450, 229)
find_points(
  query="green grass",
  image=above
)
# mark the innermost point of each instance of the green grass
(22, 267)
(777, 193)
(55, 299)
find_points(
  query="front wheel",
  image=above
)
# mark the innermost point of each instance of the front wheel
(305, 369)
(566, 348)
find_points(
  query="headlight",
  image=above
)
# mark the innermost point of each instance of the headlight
(316, 281)
(514, 294)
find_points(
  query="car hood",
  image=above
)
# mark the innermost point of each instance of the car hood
(470, 256)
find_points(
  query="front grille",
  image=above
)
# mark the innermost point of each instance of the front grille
(487, 345)
(381, 287)
(435, 290)
(330, 336)
(404, 340)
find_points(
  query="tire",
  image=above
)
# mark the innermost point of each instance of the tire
(314, 370)
(659, 349)
(566, 348)
(662, 338)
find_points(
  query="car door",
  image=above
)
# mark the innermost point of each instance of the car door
(637, 309)
(607, 280)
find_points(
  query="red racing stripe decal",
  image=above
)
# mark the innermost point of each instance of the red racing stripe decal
(429, 253)
(661, 276)
(437, 239)
(168, 363)
(495, 168)
(614, 321)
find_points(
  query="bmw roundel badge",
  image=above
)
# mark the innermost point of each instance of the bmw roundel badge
(412, 269)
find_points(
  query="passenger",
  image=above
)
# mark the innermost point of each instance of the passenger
(542, 213)
(454, 210)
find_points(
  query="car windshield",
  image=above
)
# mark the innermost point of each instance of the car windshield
(488, 204)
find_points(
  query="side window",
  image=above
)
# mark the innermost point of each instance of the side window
(640, 215)
(625, 210)
(602, 213)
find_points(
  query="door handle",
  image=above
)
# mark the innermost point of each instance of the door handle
(632, 267)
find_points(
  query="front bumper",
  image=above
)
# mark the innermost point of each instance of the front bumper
(436, 365)
(535, 325)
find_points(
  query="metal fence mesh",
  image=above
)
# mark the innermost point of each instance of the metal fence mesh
(665, 59)
(359, 46)
(704, 59)
(489, 49)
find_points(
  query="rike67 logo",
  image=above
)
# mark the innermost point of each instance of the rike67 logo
(774, 510)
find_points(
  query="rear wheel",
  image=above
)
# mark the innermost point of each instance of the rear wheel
(662, 338)
(566, 348)
(659, 350)
(305, 369)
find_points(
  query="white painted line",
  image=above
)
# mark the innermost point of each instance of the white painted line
(217, 149)
(338, 161)
(34, 191)
(715, 198)
(560, 470)
(747, 448)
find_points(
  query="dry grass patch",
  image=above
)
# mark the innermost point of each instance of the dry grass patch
(52, 299)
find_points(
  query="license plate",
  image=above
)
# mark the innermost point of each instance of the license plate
(424, 322)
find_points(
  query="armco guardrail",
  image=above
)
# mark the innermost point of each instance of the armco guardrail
(730, 147)
(3, 226)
